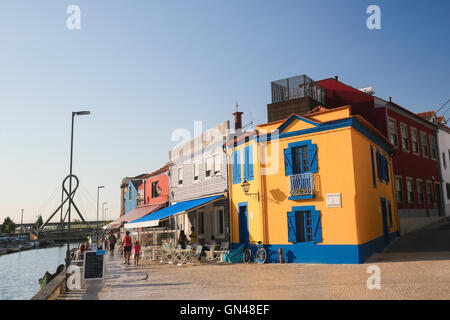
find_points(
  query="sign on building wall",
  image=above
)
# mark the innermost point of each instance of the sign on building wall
(334, 200)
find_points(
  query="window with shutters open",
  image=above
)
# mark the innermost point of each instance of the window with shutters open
(236, 166)
(248, 163)
(300, 157)
(304, 225)
(300, 160)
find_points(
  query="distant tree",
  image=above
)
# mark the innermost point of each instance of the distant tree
(8, 225)
(38, 222)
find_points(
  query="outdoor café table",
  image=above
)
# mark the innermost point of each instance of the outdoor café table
(183, 255)
(156, 250)
(210, 253)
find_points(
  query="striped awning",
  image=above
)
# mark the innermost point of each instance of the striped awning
(136, 213)
(152, 220)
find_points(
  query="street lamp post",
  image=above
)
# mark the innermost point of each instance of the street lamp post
(105, 218)
(98, 192)
(103, 211)
(79, 113)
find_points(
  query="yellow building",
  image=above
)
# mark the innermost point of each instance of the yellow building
(318, 186)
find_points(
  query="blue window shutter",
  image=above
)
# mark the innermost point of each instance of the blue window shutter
(238, 166)
(379, 166)
(250, 162)
(288, 162)
(245, 162)
(387, 169)
(292, 227)
(316, 226)
(390, 214)
(374, 179)
(312, 156)
(234, 165)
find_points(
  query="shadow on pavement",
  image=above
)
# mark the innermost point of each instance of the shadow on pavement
(429, 243)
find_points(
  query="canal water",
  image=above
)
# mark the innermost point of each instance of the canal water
(20, 271)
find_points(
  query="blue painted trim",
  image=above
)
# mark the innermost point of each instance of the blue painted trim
(248, 153)
(299, 144)
(236, 167)
(336, 124)
(291, 120)
(307, 252)
(230, 144)
(309, 196)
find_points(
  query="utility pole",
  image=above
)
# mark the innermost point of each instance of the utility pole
(21, 227)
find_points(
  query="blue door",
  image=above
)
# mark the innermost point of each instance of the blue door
(243, 224)
(385, 221)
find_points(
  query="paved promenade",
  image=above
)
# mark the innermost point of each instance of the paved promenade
(405, 274)
(402, 277)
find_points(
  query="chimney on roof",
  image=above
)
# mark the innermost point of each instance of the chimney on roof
(336, 78)
(237, 118)
(390, 99)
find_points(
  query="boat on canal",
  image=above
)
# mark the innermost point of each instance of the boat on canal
(27, 245)
(14, 247)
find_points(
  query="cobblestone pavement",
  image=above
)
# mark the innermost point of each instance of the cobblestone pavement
(402, 277)
(405, 274)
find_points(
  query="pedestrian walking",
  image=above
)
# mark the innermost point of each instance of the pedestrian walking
(127, 247)
(112, 243)
(137, 252)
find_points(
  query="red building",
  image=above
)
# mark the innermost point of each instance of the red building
(415, 162)
(156, 187)
(152, 195)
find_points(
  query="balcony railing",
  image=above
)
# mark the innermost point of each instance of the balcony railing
(297, 87)
(301, 184)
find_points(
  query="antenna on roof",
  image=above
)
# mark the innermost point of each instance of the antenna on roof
(442, 106)
(237, 105)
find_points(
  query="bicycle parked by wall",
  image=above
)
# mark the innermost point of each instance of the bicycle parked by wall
(260, 254)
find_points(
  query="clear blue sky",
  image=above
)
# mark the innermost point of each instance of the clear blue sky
(145, 68)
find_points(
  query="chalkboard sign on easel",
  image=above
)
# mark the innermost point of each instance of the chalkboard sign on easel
(94, 266)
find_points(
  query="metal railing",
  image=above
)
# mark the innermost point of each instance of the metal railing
(301, 184)
(297, 87)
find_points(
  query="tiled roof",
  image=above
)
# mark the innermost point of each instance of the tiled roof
(426, 114)
(317, 109)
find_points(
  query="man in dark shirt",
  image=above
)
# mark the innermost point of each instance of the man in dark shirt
(112, 243)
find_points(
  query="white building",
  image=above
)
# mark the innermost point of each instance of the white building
(443, 140)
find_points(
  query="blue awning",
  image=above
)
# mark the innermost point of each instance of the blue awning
(152, 220)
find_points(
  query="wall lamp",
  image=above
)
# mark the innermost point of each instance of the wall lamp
(246, 188)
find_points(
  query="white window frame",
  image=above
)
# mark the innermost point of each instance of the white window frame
(216, 220)
(178, 176)
(412, 129)
(196, 163)
(389, 131)
(423, 194)
(210, 158)
(432, 138)
(217, 156)
(429, 182)
(405, 126)
(427, 143)
(407, 191)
